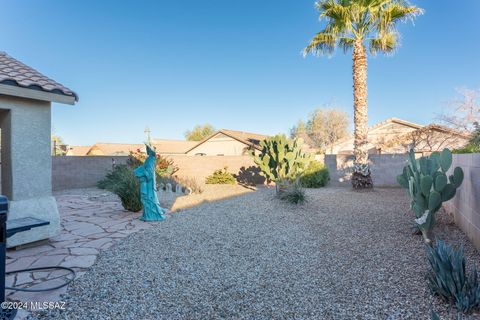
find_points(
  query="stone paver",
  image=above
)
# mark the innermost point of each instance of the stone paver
(92, 220)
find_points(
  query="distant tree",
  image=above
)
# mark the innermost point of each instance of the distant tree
(324, 127)
(59, 148)
(300, 131)
(199, 132)
(464, 112)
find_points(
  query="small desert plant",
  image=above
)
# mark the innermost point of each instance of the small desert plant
(292, 192)
(447, 276)
(315, 176)
(221, 176)
(122, 181)
(190, 183)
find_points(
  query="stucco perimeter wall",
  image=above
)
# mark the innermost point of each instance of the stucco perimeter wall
(200, 167)
(72, 172)
(466, 203)
(384, 167)
(83, 172)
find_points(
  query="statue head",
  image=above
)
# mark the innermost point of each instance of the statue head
(150, 150)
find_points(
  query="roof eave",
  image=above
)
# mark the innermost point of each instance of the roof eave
(15, 91)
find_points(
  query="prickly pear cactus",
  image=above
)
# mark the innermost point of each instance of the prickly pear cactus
(428, 186)
(281, 158)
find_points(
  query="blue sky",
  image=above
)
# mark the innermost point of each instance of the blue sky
(235, 64)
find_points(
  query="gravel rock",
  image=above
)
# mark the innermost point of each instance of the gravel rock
(342, 255)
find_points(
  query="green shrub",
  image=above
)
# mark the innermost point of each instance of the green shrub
(122, 181)
(448, 279)
(315, 176)
(291, 192)
(469, 148)
(221, 176)
(473, 145)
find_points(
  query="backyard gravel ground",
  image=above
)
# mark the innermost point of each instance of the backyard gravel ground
(342, 255)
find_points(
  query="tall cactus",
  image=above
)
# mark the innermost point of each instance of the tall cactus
(428, 186)
(281, 158)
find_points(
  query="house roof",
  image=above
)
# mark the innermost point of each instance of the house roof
(383, 124)
(445, 129)
(438, 128)
(78, 150)
(248, 138)
(15, 73)
(173, 146)
(110, 149)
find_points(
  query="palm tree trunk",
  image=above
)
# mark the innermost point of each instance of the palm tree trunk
(360, 103)
(361, 177)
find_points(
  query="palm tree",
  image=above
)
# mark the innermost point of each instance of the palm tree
(356, 24)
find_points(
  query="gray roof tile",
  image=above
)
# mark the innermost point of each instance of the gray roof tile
(13, 72)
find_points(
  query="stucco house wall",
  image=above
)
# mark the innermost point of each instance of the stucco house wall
(26, 164)
(25, 109)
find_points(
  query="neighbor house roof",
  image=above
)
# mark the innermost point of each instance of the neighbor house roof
(452, 133)
(381, 125)
(173, 146)
(248, 138)
(78, 150)
(112, 149)
(16, 74)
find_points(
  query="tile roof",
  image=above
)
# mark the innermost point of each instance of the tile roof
(78, 150)
(173, 146)
(120, 149)
(14, 72)
(380, 125)
(251, 139)
(113, 149)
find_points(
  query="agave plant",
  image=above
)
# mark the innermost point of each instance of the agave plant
(447, 276)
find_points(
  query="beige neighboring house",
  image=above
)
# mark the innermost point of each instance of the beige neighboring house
(227, 143)
(222, 143)
(398, 136)
(163, 147)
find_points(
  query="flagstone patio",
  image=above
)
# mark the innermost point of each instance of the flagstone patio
(92, 220)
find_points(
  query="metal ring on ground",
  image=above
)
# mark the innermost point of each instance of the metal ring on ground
(43, 268)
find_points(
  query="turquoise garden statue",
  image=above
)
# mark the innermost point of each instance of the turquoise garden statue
(146, 175)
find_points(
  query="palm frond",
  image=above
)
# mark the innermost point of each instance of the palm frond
(332, 10)
(348, 21)
(346, 44)
(323, 43)
(386, 42)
